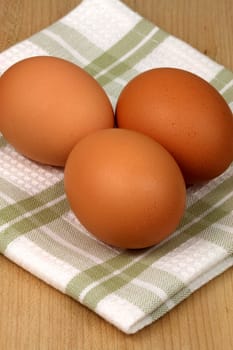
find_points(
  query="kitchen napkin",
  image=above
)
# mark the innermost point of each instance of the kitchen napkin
(38, 231)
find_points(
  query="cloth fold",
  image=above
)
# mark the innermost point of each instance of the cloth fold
(130, 289)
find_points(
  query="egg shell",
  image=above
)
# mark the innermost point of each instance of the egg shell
(47, 104)
(185, 114)
(125, 188)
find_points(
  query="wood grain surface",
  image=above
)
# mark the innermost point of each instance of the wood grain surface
(33, 315)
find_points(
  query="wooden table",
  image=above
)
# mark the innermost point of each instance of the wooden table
(34, 315)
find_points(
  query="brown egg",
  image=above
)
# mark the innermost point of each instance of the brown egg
(185, 114)
(125, 188)
(47, 104)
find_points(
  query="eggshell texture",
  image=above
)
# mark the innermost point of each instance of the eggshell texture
(185, 114)
(125, 188)
(47, 104)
